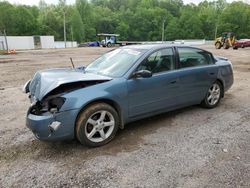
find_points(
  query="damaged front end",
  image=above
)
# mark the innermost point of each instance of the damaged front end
(46, 120)
(50, 125)
(48, 107)
(46, 117)
(52, 105)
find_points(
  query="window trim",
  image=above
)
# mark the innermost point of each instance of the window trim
(189, 47)
(157, 73)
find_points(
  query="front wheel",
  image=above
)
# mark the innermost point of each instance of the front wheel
(218, 45)
(97, 125)
(213, 95)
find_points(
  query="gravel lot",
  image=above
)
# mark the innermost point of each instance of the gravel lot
(191, 147)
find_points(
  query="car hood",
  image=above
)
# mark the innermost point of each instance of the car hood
(45, 81)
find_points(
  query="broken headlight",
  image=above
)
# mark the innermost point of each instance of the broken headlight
(55, 104)
(49, 105)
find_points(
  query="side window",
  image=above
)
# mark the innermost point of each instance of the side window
(191, 57)
(159, 61)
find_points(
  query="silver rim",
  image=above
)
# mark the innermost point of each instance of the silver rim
(99, 126)
(213, 94)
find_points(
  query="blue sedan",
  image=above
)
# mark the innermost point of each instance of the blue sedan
(126, 84)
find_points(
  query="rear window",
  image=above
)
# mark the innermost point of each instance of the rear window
(192, 57)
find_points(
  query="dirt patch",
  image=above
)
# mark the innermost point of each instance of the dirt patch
(13, 60)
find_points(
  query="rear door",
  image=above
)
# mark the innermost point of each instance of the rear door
(197, 72)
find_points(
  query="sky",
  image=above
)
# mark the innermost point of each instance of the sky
(35, 2)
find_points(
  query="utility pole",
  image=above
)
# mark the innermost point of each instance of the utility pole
(64, 28)
(6, 42)
(163, 30)
(72, 37)
(215, 33)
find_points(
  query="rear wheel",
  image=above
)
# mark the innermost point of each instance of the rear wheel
(109, 45)
(235, 47)
(97, 125)
(213, 95)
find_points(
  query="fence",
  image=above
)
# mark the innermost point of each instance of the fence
(61, 44)
(33, 42)
(2, 43)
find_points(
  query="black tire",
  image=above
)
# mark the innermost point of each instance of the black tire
(235, 47)
(218, 45)
(207, 101)
(83, 127)
(109, 45)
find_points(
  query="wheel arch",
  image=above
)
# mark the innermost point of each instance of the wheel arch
(110, 102)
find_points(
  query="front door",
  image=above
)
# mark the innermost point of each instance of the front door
(147, 95)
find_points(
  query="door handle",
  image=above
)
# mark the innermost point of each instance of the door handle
(173, 82)
(212, 73)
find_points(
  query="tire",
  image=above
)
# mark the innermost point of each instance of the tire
(235, 47)
(109, 45)
(97, 125)
(213, 95)
(218, 45)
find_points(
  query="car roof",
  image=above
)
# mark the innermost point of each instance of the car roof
(158, 46)
(152, 46)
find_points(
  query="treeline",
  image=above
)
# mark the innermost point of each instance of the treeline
(132, 19)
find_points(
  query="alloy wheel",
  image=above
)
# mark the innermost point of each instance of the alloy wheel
(99, 126)
(213, 94)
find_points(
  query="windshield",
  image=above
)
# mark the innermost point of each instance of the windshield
(115, 63)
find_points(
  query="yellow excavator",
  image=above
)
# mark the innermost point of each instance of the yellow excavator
(226, 40)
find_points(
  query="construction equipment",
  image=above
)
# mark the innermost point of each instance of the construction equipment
(226, 40)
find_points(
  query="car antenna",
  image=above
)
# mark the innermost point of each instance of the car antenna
(72, 62)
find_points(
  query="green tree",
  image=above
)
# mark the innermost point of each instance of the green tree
(87, 14)
(25, 22)
(236, 18)
(77, 26)
(7, 18)
(190, 23)
(50, 22)
(173, 30)
(208, 17)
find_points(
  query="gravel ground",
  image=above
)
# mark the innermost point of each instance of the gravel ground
(190, 147)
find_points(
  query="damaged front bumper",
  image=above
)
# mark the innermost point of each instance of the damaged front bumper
(52, 127)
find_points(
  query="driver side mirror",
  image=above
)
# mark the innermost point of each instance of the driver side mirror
(142, 74)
